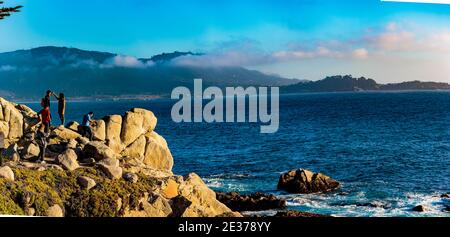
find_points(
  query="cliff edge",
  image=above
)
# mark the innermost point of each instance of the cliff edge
(125, 172)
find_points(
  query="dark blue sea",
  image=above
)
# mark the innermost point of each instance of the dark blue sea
(389, 150)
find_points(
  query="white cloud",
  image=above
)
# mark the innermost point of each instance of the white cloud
(251, 55)
(394, 41)
(398, 39)
(224, 59)
(391, 26)
(7, 68)
(126, 61)
(361, 53)
(318, 52)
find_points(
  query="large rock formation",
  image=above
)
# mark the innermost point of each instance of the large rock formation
(15, 120)
(113, 131)
(196, 199)
(304, 182)
(126, 171)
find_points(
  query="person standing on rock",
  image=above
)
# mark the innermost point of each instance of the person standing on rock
(46, 101)
(45, 115)
(86, 125)
(61, 106)
(48, 94)
(41, 140)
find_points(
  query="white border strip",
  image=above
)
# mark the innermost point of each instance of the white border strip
(421, 1)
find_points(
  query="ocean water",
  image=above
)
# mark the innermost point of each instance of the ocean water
(389, 150)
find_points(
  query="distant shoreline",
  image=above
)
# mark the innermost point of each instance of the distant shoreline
(365, 91)
(92, 99)
(156, 97)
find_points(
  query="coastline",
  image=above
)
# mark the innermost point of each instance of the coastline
(167, 96)
(97, 98)
(124, 170)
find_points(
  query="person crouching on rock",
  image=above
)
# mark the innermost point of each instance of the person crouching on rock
(61, 106)
(41, 140)
(45, 116)
(86, 125)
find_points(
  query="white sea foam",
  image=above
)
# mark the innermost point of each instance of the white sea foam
(347, 206)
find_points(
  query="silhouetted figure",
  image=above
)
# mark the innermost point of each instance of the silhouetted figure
(86, 125)
(61, 107)
(41, 140)
(48, 94)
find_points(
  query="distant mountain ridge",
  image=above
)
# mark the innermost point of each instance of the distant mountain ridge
(26, 74)
(80, 73)
(348, 83)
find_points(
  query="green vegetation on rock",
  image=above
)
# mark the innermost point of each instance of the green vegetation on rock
(42, 189)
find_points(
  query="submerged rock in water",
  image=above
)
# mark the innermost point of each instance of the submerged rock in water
(304, 182)
(419, 208)
(447, 208)
(298, 214)
(252, 202)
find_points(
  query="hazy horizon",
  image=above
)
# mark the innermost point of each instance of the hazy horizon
(387, 41)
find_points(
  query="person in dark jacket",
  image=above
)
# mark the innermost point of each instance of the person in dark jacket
(48, 94)
(41, 140)
(86, 125)
(61, 107)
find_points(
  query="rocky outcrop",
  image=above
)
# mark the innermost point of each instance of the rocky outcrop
(113, 129)
(111, 167)
(252, 202)
(15, 120)
(6, 173)
(11, 153)
(99, 151)
(64, 134)
(304, 182)
(68, 160)
(157, 154)
(99, 130)
(55, 211)
(86, 182)
(136, 123)
(195, 199)
(153, 205)
(125, 171)
(30, 150)
(136, 149)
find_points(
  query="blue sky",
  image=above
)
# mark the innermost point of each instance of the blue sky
(295, 38)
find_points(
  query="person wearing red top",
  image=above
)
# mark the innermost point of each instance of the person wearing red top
(45, 116)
